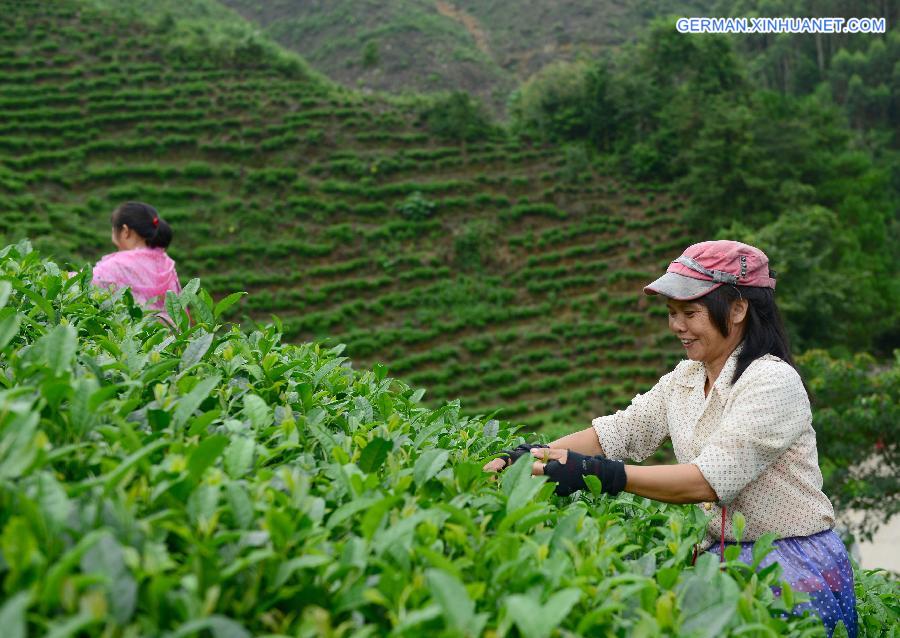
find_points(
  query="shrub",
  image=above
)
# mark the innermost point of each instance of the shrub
(370, 57)
(416, 208)
(555, 104)
(458, 117)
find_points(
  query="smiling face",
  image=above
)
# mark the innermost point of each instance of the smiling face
(691, 323)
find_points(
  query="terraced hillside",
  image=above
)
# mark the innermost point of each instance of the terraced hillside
(484, 48)
(505, 275)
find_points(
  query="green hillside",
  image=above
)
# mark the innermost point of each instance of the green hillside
(500, 273)
(484, 48)
(489, 48)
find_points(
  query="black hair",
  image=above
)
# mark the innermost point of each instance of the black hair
(764, 331)
(145, 221)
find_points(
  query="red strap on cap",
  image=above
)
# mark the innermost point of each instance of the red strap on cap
(156, 221)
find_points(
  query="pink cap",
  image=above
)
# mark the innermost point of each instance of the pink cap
(705, 266)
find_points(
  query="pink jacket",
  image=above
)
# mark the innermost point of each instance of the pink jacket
(149, 272)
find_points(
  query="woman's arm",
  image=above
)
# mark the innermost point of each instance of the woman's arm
(683, 483)
(669, 483)
(583, 442)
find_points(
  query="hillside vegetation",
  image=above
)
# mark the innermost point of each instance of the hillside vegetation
(498, 272)
(483, 48)
(489, 48)
(213, 481)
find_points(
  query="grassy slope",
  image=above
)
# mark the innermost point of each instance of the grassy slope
(417, 47)
(485, 48)
(521, 292)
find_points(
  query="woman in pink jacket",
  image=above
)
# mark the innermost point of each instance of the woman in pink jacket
(141, 262)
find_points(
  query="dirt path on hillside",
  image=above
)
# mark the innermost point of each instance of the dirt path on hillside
(468, 21)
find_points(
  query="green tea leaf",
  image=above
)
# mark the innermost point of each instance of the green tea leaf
(17, 442)
(52, 584)
(195, 350)
(467, 474)
(325, 370)
(191, 288)
(220, 626)
(519, 485)
(72, 626)
(374, 454)
(107, 559)
(9, 326)
(454, 600)
(241, 506)
(762, 547)
(738, 522)
(112, 479)
(187, 404)
(707, 604)
(227, 303)
(349, 509)
(203, 305)
(202, 504)
(594, 484)
(429, 464)
(200, 423)
(157, 371)
(667, 577)
(375, 514)
(257, 411)
(58, 348)
(536, 620)
(206, 454)
(45, 306)
(239, 456)
(289, 568)
(12, 615)
(173, 307)
(53, 500)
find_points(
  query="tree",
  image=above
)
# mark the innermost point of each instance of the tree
(855, 416)
(457, 116)
(553, 105)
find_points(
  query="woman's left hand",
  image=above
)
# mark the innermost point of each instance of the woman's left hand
(545, 455)
(568, 469)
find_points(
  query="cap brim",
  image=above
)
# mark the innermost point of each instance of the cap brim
(679, 287)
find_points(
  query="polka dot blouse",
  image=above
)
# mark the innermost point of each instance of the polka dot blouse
(753, 442)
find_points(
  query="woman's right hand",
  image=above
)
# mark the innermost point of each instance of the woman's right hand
(511, 456)
(496, 465)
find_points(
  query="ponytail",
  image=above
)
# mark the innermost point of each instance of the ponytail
(145, 221)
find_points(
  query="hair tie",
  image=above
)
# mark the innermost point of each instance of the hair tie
(156, 221)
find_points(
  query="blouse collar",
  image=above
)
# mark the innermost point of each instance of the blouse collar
(697, 374)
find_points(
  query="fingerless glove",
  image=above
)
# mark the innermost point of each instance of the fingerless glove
(513, 455)
(569, 476)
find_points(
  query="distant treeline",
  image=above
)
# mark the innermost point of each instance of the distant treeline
(812, 175)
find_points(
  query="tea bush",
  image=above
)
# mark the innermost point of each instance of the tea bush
(244, 160)
(201, 479)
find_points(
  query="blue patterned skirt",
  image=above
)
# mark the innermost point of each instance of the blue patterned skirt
(818, 565)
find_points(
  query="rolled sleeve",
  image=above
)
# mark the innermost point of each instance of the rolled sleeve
(637, 431)
(766, 417)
